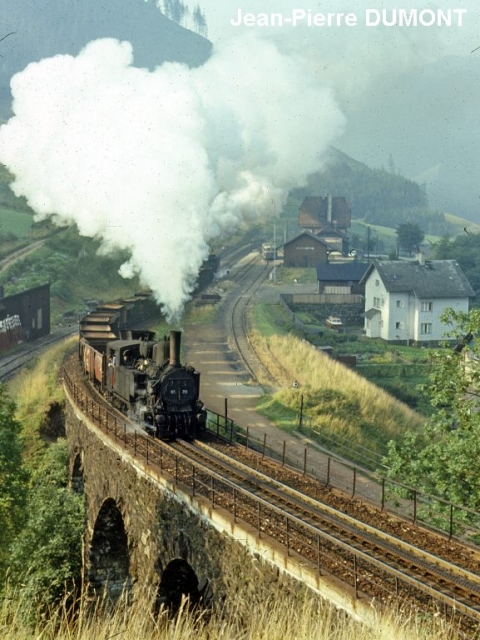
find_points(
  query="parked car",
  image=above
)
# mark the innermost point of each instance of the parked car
(334, 323)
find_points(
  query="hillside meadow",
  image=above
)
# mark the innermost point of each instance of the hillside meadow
(336, 400)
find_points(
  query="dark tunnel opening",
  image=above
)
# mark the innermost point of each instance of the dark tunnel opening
(178, 583)
(109, 558)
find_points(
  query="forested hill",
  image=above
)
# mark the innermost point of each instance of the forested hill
(377, 196)
(43, 28)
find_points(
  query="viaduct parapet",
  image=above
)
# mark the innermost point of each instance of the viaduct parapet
(145, 531)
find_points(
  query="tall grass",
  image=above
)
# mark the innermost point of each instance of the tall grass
(34, 390)
(277, 619)
(336, 399)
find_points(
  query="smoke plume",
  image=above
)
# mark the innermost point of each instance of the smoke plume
(159, 162)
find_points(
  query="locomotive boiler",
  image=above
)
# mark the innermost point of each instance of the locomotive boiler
(145, 378)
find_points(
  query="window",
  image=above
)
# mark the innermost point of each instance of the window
(399, 325)
(377, 282)
(426, 328)
(376, 302)
(426, 306)
(399, 303)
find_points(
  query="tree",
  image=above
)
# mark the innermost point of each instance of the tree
(13, 478)
(444, 458)
(175, 10)
(410, 236)
(47, 555)
(391, 165)
(200, 21)
(465, 249)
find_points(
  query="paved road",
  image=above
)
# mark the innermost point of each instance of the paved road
(210, 349)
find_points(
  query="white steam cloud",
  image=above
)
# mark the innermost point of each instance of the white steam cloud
(159, 162)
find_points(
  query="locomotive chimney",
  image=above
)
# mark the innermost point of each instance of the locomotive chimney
(175, 343)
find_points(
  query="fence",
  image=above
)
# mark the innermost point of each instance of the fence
(432, 512)
(298, 537)
(321, 298)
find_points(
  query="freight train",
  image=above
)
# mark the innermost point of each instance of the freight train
(142, 376)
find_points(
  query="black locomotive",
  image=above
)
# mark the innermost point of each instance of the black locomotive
(143, 377)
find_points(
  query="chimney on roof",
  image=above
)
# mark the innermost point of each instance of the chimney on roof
(329, 209)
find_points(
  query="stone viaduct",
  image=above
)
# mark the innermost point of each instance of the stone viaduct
(144, 530)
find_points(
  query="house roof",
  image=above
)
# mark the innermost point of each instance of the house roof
(434, 279)
(328, 230)
(313, 212)
(346, 272)
(309, 235)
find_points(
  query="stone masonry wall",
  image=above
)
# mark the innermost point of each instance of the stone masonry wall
(161, 527)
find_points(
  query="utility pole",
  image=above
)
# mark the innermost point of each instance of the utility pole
(275, 251)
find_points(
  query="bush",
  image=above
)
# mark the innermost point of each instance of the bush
(47, 555)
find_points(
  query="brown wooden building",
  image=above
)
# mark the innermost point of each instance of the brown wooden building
(305, 250)
(335, 239)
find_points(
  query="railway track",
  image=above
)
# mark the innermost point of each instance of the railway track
(425, 575)
(238, 322)
(373, 562)
(251, 277)
(11, 364)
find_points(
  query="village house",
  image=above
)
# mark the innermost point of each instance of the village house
(405, 299)
(305, 250)
(341, 278)
(319, 212)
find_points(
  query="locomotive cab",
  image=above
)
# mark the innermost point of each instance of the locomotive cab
(124, 378)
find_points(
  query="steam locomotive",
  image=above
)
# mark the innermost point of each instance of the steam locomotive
(143, 377)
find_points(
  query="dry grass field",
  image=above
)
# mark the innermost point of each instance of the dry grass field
(276, 620)
(336, 399)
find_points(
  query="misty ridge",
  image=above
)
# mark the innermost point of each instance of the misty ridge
(425, 119)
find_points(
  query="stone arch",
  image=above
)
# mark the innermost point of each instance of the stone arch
(178, 581)
(109, 560)
(77, 482)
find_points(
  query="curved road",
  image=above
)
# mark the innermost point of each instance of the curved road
(210, 349)
(223, 374)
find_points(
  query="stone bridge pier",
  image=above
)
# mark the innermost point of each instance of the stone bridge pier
(143, 532)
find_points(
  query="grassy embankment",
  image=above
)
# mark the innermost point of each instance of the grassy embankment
(38, 397)
(395, 368)
(338, 402)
